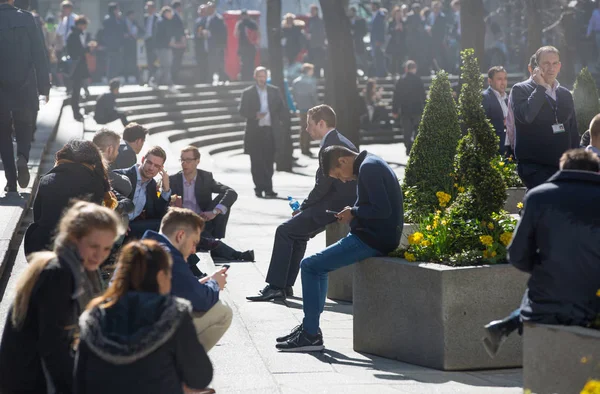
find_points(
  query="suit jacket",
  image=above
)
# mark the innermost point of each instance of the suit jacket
(218, 32)
(409, 95)
(359, 31)
(179, 29)
(493, 111)
(76, 50)
(250, 106)
(156, 206)
(439, 30)
(206, 186)
(378, 28)
(329, 193)
(155, 19)
(126, 157)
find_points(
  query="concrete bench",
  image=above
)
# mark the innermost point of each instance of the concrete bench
(433, 315)
(514, 195)
(559, 359)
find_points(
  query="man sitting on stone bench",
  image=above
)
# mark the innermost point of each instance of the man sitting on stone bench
(557, 241)
(376, 226)
(106, 110)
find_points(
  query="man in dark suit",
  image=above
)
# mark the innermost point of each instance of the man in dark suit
(24, 77)
(358, 28)
(495, 102)
(179, 35)
(328, 194)
(215, 31)
(134, 137)
(264, 110)
(378, 40)
(408, 102)
(150, 204)
(150, 19)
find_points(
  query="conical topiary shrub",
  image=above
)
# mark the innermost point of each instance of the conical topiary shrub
(585, 96)
(432, 156)
(485, 188)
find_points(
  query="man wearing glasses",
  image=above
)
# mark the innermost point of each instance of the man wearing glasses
(193, 188)
(150, 203)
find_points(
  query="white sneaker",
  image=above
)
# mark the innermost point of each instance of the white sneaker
(152, 84)
(173, 89)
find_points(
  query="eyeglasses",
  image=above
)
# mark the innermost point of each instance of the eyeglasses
(187, 160)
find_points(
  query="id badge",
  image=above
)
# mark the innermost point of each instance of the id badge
(558, 128)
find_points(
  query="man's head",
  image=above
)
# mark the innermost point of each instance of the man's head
(150, 7)
(244, 14)
(410, 67)
(135, 135)
(320, 120)
(375, 6)
(498, 79)
(314, 10)
(190, 159)
(455, 5)
(580, 160)
(210, 8)
(108, 142)
(182, 227)
(153, 162)
(548, 61)
(81, 22)
(260, 75)
(113, 9)
(338, 162)
(595, 131)
(22, 4)
(436, 7)
(166, 12)
(531, 65)
(416, 8)
(66, 7)
(114, 85)
(176, 5)
(308, 69)
(130, 15)
(352, 12)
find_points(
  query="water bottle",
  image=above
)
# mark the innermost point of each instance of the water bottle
(294, 204)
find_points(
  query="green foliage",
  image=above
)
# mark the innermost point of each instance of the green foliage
(585, 96)
(432, 155)
(508, 169)
(486, 190)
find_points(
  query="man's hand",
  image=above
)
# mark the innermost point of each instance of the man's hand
(208, 215)
(165, 180)
(176, 201)
(297, 211)
(221, 277)
(345, 216)
(538, 77)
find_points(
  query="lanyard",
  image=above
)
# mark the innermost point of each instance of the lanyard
(553, 106)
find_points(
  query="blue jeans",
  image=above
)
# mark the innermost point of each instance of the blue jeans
(347, 251)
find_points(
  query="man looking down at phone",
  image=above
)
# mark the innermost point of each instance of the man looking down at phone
(545, 123)
(180, 233)
(375, 220)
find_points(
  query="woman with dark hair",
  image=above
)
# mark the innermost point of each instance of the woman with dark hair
(136, 337)
(396, 46)
(79, 173)
(36, 349)
(79, 68)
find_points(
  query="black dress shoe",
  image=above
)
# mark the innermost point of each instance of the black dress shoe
(247, 255)
(270, 194)
(268, 294)
(497, 332)
(289, 291)
(10, 188)
(258, 193)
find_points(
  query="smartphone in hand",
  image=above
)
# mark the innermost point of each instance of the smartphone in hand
(331, 212)
(226, 266)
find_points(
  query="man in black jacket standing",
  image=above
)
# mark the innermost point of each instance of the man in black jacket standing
(557, 241)
(215, 32)
(150, 19)
(409, 101)
(328, 194)
(25, 76)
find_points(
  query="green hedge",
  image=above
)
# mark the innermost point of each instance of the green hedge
(585, 96)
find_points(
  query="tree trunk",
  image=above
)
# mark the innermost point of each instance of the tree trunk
(341, 77)
(283, 138)
(534, 25)
(569, 47)
(472, 26)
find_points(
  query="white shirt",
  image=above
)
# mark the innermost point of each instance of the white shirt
(502, 100)
(552, 91)
(65, 25)
(264, 107)
(325, 137)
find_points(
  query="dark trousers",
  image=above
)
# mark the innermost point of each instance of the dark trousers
(202, 62)
(379, 62)
(262, 159)
(316, 56)
(177, 61)
(218, 248)
(291, 238)
(151, 58)
(533, 174)
(76, 96)
(502, 147)
(247, 56)
(114, 66)
(130, 68)
(216, 64)
(410, 128)
(139, 227)
(304, 136)
(23, 122)
(111, 117)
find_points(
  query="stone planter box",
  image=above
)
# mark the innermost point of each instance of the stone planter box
(433, 315)
(515, 195)
(559, 359)
(340, 281)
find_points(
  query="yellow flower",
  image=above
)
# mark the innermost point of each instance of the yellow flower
(157, 194)
(442, 204)
(520, 205)
(461, 189)
(456, 185)
(428, 228)
(505, 238)
(487, 240)
(435, 223)
(438, 212)
(444, 222)
(510, 159)
(591, 387)
(584, 360)
(486, 254)
(501, 164)
(415, 238)
(426, 243)
(526, 391)
(409, 257)
(490, 225)
(493, 254)
(443, 198)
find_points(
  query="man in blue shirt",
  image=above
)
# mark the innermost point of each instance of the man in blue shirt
(376, 221)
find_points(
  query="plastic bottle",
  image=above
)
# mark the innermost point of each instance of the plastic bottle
(294, 204)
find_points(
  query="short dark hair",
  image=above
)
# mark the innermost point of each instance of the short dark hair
(112, 7)
(22, 4)
(329, 157)
(580, 160)
(323, 112)
(595, 128)
(494, 70)
(134, 132)
(180, 218)
(176, 4)
(114, 83)
(158, 152)
(81, 20)
(105, 138)
(410, 65)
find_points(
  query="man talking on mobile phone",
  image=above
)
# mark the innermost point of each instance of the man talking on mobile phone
(545, 123)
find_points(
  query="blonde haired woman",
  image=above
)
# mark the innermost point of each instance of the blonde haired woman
(36, 348)
(136, 337)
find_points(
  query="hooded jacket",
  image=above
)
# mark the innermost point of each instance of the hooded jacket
(145, 343)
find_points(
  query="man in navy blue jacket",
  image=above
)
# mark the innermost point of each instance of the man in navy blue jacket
(328, 194)
(545, 121)
(376, 221)
(180, 232)
(495, 102)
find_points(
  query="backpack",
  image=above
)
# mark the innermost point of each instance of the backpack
(17, 65)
